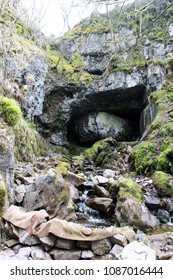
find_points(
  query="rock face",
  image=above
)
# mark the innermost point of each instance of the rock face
(97, 126)
(7, 161)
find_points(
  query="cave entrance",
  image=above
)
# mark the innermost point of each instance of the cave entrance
(113, 113)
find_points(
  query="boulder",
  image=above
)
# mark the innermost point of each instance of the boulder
(163, 183)
(51, 192)
(130, 212)
(138, 251)
(102, 204)
(87, 255)
(97, 126)
(101, 247)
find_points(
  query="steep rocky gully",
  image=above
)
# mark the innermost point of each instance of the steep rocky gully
(86, 134)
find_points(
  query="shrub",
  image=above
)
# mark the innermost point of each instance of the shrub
(10, 111)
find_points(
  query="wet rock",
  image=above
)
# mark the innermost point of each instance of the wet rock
(101, 191)
(58, 254)
(152, 202)
(163, 216)
(99, 203)
(101, 247)
(138, 251)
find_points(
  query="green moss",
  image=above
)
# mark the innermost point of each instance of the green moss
(10, 111)
(70, 70)
(3, 197)
(163, 183)
(63, 167)
(143, 157)
(28, 143)
(127, 188)
(99, 152)
(65, 195)
(165, 160)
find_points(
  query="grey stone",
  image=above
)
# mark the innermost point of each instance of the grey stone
(138, 251)
(46, 192)
(65, 244)
(163, 216)
(100, 180)
(101, 247)
(102, 204)
(24, 252)
(116, 251)
(119, 239)
(7, 161)
(87, 255)
(130, 212)
(48, 241)
(58, 254)
(19, 193)
(27, 239)
(84, 244)
(96, 126)
(74, 194)
(108, 173)
(37, 253)
(101, 191)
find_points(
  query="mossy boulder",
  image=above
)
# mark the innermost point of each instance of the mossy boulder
(125, 188)
(10, 111)
(3, 197)
(63, 167)
(163, 183)
(130, 207)
(99, 152)
(143, 157)
(165, 160)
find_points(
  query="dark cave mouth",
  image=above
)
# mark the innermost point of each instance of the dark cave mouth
(132, 124)
(97, 119)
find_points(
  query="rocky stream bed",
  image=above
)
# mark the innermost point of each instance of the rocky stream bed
(92, 197)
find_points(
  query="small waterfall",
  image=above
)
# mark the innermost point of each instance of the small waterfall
(170, 223)
(147, 116)
(87, 215)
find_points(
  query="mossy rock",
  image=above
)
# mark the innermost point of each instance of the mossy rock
(163, 183)
(10, 111)
(99, 152)
(165, 160)
(127, 188)
(3, 197)
(63, 167)
(143, 157)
